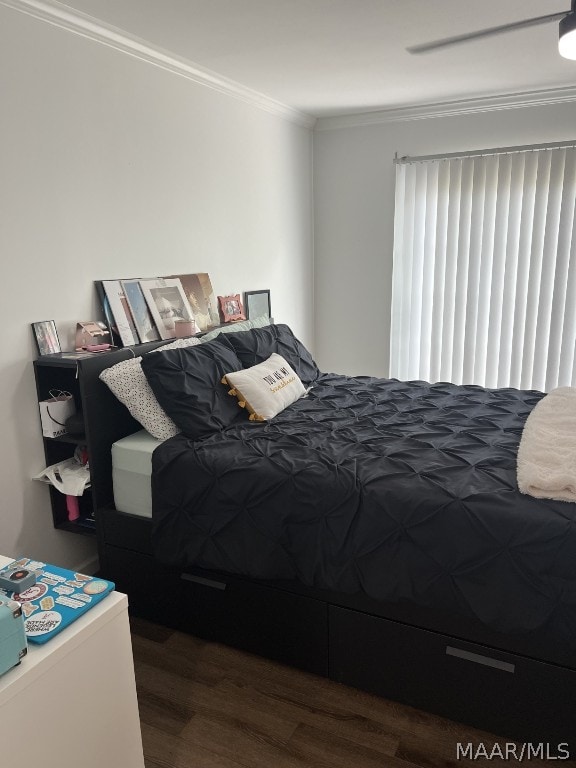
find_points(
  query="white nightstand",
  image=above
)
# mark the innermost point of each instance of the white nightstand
(72, 703)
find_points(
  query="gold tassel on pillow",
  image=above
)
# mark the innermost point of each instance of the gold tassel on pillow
(241, 401)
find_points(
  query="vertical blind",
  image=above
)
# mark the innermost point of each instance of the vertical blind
(484, 275)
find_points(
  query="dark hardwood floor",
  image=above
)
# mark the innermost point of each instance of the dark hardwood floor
(204, 705)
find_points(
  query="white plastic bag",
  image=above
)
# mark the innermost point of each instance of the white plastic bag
(68, 476)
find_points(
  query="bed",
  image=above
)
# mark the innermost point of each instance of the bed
(372, 532)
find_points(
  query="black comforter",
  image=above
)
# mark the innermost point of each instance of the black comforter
(401, 491)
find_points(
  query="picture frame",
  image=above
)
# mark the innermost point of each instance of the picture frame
(46, 337)
(231, 308)
(200, 295)
(123, 322)
(141, 315)
(257, 304)
(168, 305)
(107, 312)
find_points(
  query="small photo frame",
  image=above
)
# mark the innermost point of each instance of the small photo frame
(257, 304)
(46, 337)
(231, 308)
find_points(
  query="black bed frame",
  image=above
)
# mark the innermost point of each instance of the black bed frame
(443, 664)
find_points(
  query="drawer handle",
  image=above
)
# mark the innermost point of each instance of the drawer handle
(478, 659)
(206, 582)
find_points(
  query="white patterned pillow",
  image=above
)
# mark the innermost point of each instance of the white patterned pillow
(128, 383)
(191, 341)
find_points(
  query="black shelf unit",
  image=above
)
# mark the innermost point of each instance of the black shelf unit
(57, 372)
(105, 423)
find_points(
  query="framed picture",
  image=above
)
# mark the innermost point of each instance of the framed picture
(257, 304)
(168, 305)
(123, 322)
(231, 308)
(200, 295)
(141, 314)
(46, 337)
(107, 312)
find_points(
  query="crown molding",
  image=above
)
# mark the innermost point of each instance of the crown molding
(450, 108)
(82, 24)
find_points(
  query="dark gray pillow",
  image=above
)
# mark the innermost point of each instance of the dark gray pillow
(256, 345)
(187, 383)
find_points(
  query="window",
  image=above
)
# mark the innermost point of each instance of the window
(484, 283)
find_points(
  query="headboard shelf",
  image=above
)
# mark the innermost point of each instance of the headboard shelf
(105, 421)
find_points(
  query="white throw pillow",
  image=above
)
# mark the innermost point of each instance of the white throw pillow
(127, 381)
(267, 388)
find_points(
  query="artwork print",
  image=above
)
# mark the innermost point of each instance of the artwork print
(167, 303)
(141, 314)
(121, 312)
(200, 295)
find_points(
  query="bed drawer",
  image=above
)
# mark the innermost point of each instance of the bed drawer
(125, 531)
(273, 623)
(279, 625)
(516, 697)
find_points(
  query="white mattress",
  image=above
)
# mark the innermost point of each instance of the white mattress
(131, 472)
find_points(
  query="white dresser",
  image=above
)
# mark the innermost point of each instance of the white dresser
(72, 703)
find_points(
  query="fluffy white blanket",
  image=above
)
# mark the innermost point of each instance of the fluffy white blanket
(547, 453)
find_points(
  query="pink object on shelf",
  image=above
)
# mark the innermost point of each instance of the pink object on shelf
(72, 507)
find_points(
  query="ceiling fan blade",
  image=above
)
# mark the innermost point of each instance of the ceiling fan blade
(447, 41)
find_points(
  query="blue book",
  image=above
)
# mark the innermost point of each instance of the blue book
(57, 599)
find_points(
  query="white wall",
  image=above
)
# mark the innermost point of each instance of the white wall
(111, 167)
(354, 216)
